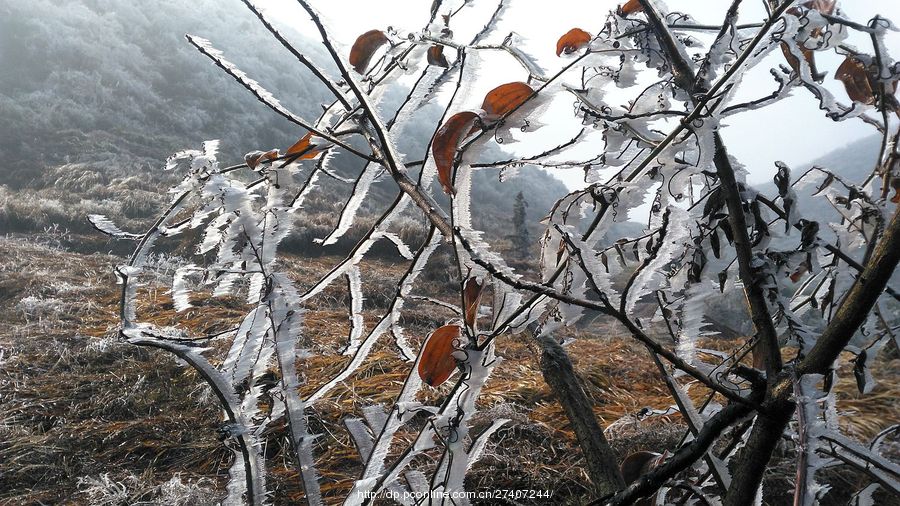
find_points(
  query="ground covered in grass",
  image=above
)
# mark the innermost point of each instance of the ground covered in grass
(86, 419)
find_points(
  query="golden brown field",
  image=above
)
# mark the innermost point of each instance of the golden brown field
(86, 419)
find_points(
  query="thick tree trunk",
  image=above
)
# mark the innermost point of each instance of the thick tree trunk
(558, 372)
(754, 457)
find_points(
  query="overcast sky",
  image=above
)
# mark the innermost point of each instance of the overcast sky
(793, 131)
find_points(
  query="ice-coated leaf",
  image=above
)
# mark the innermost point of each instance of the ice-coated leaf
(504, 99)
(375, 416)
(446, 140)
(105, 225)
(864, 379)
(572, 41)
(364, 48)
(693, 320)
(436, 56)
(360, 436)
(630, 7)
(172, 160)
(853, 73)
(866, 496)
(438, 361)
(480, 442)
(673, 240)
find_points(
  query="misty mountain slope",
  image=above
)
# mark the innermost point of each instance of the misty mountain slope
(103, 90)
(853, 162)
(115, 81)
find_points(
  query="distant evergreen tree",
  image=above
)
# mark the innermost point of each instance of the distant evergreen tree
(520, 239)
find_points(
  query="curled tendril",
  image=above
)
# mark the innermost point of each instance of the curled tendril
(879, 22)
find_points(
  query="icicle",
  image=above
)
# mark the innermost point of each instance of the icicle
(246, 345)
(402, 248)
(389, 319)
(357, 324)
(180, 289)
(237, 485)
(671, 242)
(692, 320)
(287, 330)
(810, 428)
(205, 47)
(351, 208)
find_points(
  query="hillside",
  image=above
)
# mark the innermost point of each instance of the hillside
(104, 90)
(852, 162)
(114, 82)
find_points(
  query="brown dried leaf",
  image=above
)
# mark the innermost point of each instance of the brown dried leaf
(808, 54)
(560, 250)
(798, 273)
(505, 98)
(572, 41)
(445, 142)
(630, 7)
(823, 6)
(254, 158)
(638, 464)
(854, 75)
(472, 291)
(303, 149)
(437, 362)
(364, 47)
(436, 56)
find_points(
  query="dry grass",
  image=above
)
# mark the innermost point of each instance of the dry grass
(77, 405)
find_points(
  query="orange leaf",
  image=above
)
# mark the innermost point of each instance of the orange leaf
(472, 291)
(855, 77)
(445, 142)
(437, 362)
(364, 47)
(895, 184)
(505, 98)
(303, 148)
(253, 158)
(630, 7)
(572, 41)
(436, 56)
